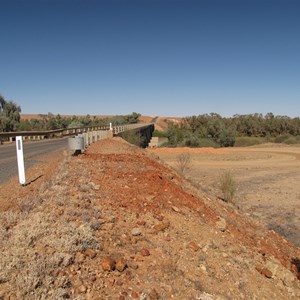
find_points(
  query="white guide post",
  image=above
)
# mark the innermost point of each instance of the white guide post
(110, 126)
(20, 159)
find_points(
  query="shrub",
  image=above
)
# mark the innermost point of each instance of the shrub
(226, 137)
(282, 138)
(157, 133)
(194, 141)
(206, 142)
(190, 141)
(75, 124)
(132, 137)
(245, 141)
(183, 162)
(292, 140)
(227, 186)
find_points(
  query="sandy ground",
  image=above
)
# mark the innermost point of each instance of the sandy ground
(267, 180)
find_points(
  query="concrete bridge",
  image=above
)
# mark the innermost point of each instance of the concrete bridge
(138, 134)
(143, 134)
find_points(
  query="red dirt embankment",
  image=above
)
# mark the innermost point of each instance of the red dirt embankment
(114, 223)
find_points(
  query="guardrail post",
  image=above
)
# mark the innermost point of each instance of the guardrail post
(90, 137)
(20, 159)
(85, 138)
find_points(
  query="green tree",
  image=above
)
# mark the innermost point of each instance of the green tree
(175, 134)
(226, 137)
(75, 124)
(25, 125)
(9, 115)
(133, 118)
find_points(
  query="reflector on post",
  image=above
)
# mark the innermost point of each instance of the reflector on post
(20, 159)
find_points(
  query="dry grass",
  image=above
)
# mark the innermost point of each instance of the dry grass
(36, 241)
(183, 162)
(227, 186)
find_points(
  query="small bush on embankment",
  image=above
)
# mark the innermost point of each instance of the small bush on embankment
(183, 162)
(227, 186)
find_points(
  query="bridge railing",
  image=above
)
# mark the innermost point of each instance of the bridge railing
(39, 135)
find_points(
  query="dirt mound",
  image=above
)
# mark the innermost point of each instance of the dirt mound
(114, 223)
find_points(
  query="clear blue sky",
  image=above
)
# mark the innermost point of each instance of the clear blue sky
(166, 58)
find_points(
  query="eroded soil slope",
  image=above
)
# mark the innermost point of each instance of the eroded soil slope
(115, 223)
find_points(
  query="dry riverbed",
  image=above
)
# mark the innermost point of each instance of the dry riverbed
(267, 180)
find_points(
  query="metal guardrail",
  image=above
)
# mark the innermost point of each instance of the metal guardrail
(72, 131)
(57, 132)
(122, 128)
(81, 138)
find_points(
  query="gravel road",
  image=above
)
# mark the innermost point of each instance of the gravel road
(32, 152)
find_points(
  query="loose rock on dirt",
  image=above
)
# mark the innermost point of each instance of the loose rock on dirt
(66, 238)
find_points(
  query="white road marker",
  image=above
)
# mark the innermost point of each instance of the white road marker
(20, 159)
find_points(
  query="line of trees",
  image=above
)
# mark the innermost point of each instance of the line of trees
(51, 122)
(10, 119)
(194, 131)
(215, 130)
